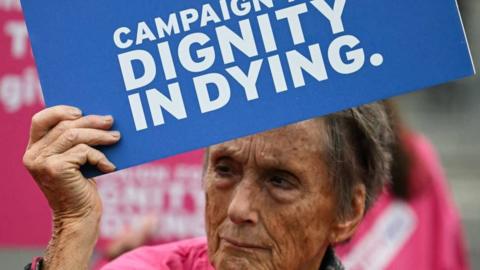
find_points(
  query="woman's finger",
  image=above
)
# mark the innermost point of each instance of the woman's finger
(91, 137)
(91, 121)
(82, 154)
(46, 119)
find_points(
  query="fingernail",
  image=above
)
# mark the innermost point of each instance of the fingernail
(111, 165)
(108, 165)
(76, 112)
(108, 119)
(115, 134)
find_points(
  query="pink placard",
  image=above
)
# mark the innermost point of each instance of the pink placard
(24, 214)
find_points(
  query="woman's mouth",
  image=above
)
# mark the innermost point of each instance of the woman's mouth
(241, 245)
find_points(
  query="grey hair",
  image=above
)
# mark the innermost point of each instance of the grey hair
(358, 150)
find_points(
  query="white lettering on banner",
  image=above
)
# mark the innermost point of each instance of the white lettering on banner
(173, 195)
(9, 5)
(223, 88)
(175, 106)
(300, 64)
(292, 15)
(386, 238)
(207, 55)
(227, 39)
(17, 32)
(334, 15)
(169, 28)
(197, 51)
(185, 20)
(17, 91)
(126, 64)
(248, 81)
(355, 57)
(23, 88)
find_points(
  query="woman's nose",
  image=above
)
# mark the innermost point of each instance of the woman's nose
(242, 208)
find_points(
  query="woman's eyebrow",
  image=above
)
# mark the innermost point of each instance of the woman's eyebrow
(228, 150)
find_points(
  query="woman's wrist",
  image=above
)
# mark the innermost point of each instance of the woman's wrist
(73, 241)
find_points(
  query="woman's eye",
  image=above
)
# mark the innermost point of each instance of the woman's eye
(225, 174)
(223, 170)
(280, 182)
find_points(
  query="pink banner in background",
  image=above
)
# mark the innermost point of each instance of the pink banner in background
(168, 191)
(25, 218)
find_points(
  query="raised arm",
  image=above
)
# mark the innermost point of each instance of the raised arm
(60, 143)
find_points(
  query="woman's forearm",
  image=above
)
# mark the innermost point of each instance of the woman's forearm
(72, 243)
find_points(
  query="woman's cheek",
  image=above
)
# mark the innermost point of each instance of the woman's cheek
(215, 215)
(282, 256)
(297, 234)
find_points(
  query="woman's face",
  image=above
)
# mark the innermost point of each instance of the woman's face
(269, 201)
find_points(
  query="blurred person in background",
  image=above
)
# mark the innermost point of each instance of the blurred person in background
(414, 224)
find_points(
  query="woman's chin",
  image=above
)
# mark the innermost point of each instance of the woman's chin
(237, 261)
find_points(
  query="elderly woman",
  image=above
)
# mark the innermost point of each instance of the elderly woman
(275, 200)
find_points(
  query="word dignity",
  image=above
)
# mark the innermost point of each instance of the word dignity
(236, 33)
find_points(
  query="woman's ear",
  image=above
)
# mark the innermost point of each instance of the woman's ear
(344, 227)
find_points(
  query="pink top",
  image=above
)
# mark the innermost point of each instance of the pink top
(189, 254)
(421, 233)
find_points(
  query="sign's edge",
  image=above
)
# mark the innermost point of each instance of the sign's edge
(466, 38)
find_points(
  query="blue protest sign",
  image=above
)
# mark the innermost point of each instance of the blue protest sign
(181, 75)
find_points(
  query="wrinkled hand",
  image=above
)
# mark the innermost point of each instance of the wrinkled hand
(60, 143)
